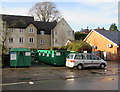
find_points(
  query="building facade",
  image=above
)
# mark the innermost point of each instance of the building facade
(24, 32)
(61, 34)
(105, 41)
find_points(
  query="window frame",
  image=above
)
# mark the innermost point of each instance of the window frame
(10, 39)
(31, 30)
(10, 30)
(69, 32)
(22, 40)
(42, 42)
(21, 30)
(32, 38)
(80, 57)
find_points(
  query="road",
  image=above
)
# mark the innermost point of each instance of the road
(61, 78)
(94, 83)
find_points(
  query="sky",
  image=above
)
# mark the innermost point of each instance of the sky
(78, 14)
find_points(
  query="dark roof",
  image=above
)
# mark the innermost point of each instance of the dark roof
(44, 26)
(114, 36)
(15, 21)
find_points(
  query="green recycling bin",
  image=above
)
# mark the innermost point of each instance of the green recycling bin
(41, 55)
(53, 57)
(20, 57)
(59, 57)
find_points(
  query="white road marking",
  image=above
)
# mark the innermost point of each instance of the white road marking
(13, 83)
(31, 82)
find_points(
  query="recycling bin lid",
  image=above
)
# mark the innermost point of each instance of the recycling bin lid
(20, 49)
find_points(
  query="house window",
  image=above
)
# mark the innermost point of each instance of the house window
(31, 40)
(42, 32)
(31, 30)
(42, 41)
(21, 40)
(69, 32)
(10, 40)
(10, 29)
(21, 30)
(55, 32)
(55, 40)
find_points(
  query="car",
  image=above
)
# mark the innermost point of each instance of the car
(81, 60)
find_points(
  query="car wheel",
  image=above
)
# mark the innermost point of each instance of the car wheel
(80, 67)
(102, 66)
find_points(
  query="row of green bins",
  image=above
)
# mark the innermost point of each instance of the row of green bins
(20, 57)
(53, 57)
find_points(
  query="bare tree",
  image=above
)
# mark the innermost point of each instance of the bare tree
(45, 11)
(4, 32)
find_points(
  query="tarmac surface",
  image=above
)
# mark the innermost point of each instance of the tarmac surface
(41, 71)
(47, 77)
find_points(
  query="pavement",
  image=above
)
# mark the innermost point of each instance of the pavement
(39, 72)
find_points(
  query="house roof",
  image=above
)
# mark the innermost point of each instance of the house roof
(44, 26)
(15, 21)
(114, 36)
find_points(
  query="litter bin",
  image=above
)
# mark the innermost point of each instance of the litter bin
(20, 57)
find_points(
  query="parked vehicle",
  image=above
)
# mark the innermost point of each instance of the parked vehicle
(81, 60)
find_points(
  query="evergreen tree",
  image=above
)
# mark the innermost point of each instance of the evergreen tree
(80, 36)
(113, 27)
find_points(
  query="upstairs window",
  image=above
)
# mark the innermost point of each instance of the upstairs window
(10, 30)
(42, 32)
(42, 42)
(69, 32)
(31, 30)
(21, 30)
(10, 40)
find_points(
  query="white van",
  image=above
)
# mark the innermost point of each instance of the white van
(81, 60)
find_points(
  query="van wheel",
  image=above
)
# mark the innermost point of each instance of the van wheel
(102, 66)
(80, 66)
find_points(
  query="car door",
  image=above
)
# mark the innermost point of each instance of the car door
(78, 59)
(87, 60)
(95, 60)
